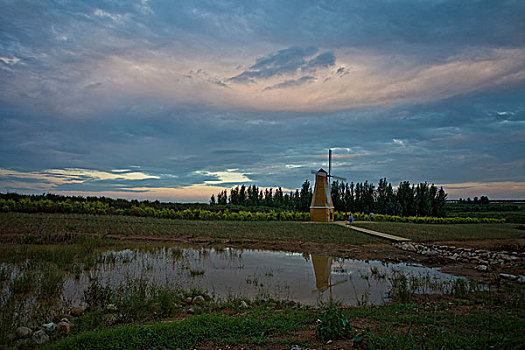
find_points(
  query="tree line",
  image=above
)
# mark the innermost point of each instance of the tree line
(408, 200)
(253, 196)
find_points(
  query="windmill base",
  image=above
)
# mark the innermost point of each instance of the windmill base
(322, 214)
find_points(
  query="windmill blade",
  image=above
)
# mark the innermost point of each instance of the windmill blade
(339, 178)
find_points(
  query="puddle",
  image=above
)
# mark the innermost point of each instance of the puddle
(304, 278)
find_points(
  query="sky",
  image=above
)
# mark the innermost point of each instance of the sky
(177, 100)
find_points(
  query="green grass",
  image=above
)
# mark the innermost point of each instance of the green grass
(219, 329)
(483, 320)
(46, 228)
(424, 232)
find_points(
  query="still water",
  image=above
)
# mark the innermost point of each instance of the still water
(305, 278)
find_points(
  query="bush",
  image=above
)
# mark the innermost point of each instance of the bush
(421, 219)
(27, 205)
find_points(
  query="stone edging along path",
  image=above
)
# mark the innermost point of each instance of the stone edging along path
(484, 259)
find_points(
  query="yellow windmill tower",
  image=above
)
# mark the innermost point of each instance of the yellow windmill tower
(321, 207)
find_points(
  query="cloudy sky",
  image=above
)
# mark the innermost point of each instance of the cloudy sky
(175, 100)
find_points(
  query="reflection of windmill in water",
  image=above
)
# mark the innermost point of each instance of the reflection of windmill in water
(321, 207)
(323, 273)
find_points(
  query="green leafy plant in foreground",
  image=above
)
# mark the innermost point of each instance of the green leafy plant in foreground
(332, 325)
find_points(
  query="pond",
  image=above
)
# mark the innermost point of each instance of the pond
(305, 278)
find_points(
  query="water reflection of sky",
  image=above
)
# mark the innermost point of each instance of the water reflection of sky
(303, 278)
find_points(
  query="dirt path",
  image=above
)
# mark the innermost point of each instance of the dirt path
(372, 233)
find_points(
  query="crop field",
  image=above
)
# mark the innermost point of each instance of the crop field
(513, 212)
(424, 232)
(35, 227)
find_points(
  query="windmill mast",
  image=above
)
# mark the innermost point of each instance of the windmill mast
(329, 163)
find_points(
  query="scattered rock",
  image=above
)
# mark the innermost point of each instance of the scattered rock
(65, 327)
(191, 311)
(49, 327)
(111, 307)
(296, 347)
(521, 279)
(482, 268)
(110, 319)
(78, 311)
(207, 296)
(188, 300)
(429, 253)
(60, 317)
(40, 337)
(199, 299)
(243, 305)
(21, 343)
(464, 255)
(507, 276)
(23, 332)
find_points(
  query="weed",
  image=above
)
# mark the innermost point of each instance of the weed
(196, 272)
(460, 288)
(28, 239)
(333, 325)
(5, 273)
(400, 291)
(362, 338)
(97, 295)
(22, 284)
(51, 283)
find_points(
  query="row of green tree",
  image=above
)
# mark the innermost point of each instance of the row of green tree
(253, 196)
(409, 200)
(483, 200)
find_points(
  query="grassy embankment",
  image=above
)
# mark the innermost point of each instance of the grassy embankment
(425, 233)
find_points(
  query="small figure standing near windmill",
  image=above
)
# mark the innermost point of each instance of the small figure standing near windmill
(321, 207)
